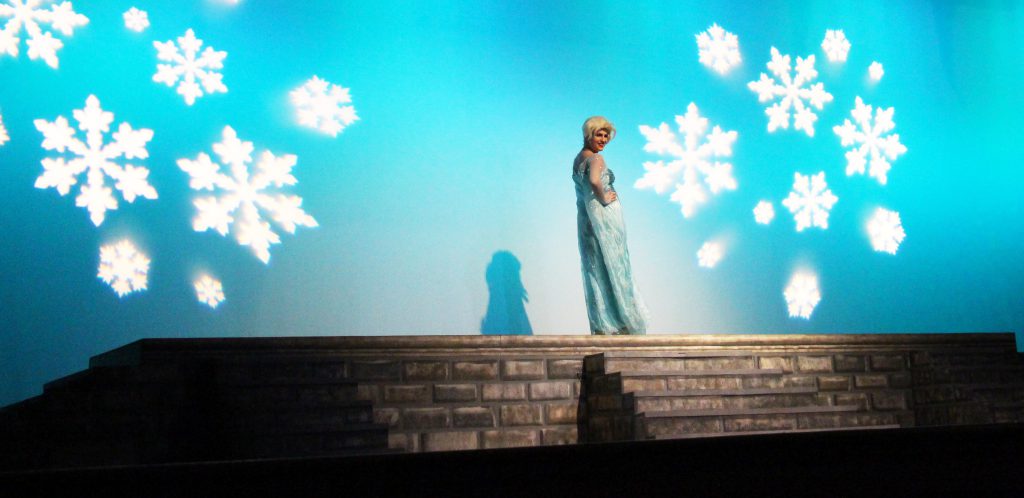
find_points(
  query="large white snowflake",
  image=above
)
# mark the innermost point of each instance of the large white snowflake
(886, 231)
(245, 193)
(123, 267)
(136, 20)
(4, 138)
(810, 201)
(209, 291)
(764, 212)
(718, 49)
(802, 295)
(30, 14)
(95, 158)
(835, 45)
(876, 71)
(188, 65)
(709, 254)
(320, 104)
(872, 145)
(695, 160)
(796, 92)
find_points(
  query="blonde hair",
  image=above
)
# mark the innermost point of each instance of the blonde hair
(594, 124)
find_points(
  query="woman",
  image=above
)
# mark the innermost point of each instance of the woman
(613, 303)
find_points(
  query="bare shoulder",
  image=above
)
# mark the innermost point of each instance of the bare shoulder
(596, 161)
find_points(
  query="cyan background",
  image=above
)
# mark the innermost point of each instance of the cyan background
(450, 201)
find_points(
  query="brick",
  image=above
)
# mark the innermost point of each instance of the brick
(522, 369)
(550, 390)
(887, 362)
(368, 392)
(784, 363)
(772, 381)
(836, 420)
(447, 441)
(560, 413)
(510, 438)
(564, 369)
(473, 416)
(900, 379)
(404, 441)
(920, 358)
(640, 384)
(425, 418)
(889, 400)
(859, 400)
(760, 423)
(425, 370)
(475, 370)
(870, 381)
(559, 436)
(375, 370)
(450, 393)
(504, 392)
(521, 414)
(685, 383)
(407, 394)
(387, 416)
(738, 362)
(689, 425)
(834, 383)
(849, 363)
(814, 364)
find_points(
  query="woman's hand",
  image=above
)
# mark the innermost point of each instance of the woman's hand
(610, 197)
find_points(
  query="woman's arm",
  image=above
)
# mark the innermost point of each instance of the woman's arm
(596, 168)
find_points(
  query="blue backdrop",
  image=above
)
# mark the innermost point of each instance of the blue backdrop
(447, 207)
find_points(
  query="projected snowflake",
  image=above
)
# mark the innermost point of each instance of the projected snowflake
(876, 71)
(796, 98)
(872, 145)
(245, 193)
(802, 295)
(694, 160)
(835, 45)
(320, 105)
(209, 291)
(709, 255)
(810, 201)
(4, 138)
(123, 267)
(764, 212)
(136, 20)
(886, 231)
(95, 158)
(188, 66)
(30, 15)
(718, 49)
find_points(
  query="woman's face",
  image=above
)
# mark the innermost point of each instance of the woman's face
(599, 140)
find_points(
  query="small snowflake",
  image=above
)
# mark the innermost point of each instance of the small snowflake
(873, 139)
(41, 44)
(836, 46)
(802, 295)
(876, 71)
(792, 91)
(4, 138)
(810, 201)
(718, 49)
(123, 267)
(245, 193)
(209, 291)
(136, 20)
(319, 104)
(709, 255)
(97, 158)
(886, 231)
(186, 66)
(694, 160)
(764, 212)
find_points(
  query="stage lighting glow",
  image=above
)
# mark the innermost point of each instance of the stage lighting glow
(709, 254)
(790, 88)
(764, 212)
(718, 49)
(30, 14)
(187, 67)
(244, 193)
(810, 201)
(136, 20)
(835, 45)
(802, 295)
(97, 158)
(123, 267)
(886, 231)
(695, 160)
(209, 291)
(4, 138)
(876, 71)
(320, 105)
(873, 139)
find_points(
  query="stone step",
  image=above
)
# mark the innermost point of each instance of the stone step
(637, 381)
(337, 442)
(769, 419)
(651, 405)
(729, 412)
(606, 363)
(726, 392)
(299, 421)
(784, 431)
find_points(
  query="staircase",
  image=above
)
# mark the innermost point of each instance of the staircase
(672, 395)
(983, 387)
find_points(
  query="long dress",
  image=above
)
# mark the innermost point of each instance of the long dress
(614, 305)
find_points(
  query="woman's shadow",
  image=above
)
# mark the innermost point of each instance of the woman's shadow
(506, 312)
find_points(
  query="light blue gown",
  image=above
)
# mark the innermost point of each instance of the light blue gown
(613, 302)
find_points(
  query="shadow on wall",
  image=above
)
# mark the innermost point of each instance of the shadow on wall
(506, 310)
